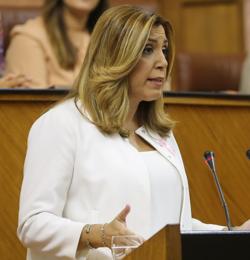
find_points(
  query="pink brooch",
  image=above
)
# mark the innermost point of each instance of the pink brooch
(163, 143)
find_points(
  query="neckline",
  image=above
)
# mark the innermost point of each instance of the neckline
(134, 148)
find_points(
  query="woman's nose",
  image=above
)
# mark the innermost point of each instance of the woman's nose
(162, 60)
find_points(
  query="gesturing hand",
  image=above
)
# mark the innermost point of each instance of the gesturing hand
(244, 226)
(117, 226)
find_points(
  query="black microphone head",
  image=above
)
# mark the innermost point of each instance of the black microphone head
(209, 159)
(208, 154)
(248, 154)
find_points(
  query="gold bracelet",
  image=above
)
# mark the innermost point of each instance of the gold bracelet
(103, 236)
(87, 229)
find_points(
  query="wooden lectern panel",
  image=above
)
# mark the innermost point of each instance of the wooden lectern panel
(165, 245)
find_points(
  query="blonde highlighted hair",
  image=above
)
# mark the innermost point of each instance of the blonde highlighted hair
(116, 46)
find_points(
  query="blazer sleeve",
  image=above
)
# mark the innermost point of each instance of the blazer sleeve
(25, 55)
(48, 172)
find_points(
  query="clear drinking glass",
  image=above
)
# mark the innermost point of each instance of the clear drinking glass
(123, 245)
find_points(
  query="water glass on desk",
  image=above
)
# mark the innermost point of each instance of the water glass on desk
(121, 246)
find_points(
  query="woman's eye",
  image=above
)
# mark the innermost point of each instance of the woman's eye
(148, 50)
(165, 51)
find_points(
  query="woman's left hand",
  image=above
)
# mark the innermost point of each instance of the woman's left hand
(244, 226)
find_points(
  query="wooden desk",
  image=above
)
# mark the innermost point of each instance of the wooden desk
(204, 123)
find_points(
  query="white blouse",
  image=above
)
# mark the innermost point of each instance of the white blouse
(166, 190)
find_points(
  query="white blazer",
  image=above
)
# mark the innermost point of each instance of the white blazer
(74, 175)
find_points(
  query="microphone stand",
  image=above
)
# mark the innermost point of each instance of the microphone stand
(209, 157)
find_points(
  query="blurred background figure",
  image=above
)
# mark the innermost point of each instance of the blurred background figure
(245, 77)
(10, 80)
(50, 48)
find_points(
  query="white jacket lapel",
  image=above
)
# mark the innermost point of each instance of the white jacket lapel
(162, 145)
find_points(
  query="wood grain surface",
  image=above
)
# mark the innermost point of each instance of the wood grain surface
(165, 245)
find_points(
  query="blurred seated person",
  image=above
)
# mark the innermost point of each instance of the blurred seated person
(14, 81)
(50, 48)
(245, 77)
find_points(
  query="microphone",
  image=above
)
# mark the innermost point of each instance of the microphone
(248, 154)
(209, 159)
